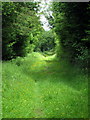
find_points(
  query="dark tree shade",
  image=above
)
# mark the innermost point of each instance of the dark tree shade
(71, 24)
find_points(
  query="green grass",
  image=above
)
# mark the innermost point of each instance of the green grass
(42, 87)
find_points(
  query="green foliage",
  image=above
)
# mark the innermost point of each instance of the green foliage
(71, 21)
(46, 41)
(19, 22)
(37, 86)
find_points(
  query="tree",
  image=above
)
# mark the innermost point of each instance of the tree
(46, 41)
(71, 22)
(20, 20)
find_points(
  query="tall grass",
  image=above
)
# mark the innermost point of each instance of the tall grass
(42, 87)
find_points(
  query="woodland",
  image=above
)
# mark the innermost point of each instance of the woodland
(45, 72)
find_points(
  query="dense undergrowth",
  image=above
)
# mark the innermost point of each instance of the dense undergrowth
(41, 87)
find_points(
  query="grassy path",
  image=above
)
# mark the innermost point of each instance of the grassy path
(38, 111)
(41, 87)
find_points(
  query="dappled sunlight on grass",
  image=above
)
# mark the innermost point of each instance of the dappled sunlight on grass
(42, 87)
(50, 57)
